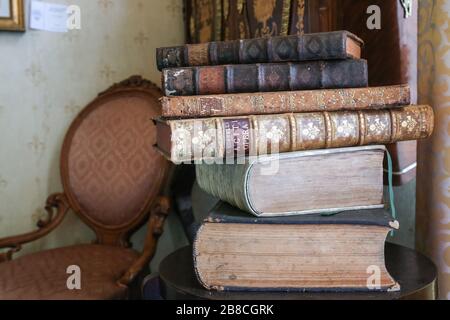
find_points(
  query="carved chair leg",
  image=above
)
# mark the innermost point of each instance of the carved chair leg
(158, 216)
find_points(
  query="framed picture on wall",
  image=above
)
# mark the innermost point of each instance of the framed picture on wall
(12, 15)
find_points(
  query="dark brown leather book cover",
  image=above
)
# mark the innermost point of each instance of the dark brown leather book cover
(225, 213)
(318, 46)
(265, 77)
(283, 102)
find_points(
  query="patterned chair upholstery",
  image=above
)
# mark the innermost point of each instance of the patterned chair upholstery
(112, 179)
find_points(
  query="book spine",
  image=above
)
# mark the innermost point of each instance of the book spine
(285, 102)
(232, 176)
(248, 78)
(319, 46)
(229, 138)
(173, 56)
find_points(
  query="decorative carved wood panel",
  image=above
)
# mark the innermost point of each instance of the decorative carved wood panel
(215, 20)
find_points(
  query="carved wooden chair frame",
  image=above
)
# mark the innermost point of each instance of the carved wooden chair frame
(58, 205)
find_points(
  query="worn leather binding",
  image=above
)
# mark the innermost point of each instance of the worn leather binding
(218, 138)
(317, 46)
(225, 213)
(247, 78)
(284, 102)
(306, 248)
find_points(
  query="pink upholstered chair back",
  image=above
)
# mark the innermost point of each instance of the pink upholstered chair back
(110, 170)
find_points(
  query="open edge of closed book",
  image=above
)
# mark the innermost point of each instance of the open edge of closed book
(234, 252)
(308, 182)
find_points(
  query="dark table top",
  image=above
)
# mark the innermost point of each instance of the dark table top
(415, 273)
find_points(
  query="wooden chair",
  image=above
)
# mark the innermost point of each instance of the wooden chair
(112, 179)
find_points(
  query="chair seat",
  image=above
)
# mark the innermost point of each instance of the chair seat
(42, 276)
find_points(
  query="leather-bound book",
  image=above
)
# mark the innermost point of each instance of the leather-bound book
(319, 46)
(305, 182)
(236, 252)
(283, 102)
(230, 137)
(268, 77)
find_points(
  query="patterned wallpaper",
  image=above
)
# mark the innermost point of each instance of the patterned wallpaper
(47, 78)
(433, 182)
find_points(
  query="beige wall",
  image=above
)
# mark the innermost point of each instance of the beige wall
(46, 79)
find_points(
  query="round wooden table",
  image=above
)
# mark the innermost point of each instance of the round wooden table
(415, 273)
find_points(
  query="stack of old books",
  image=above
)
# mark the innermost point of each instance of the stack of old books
(287, 133)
